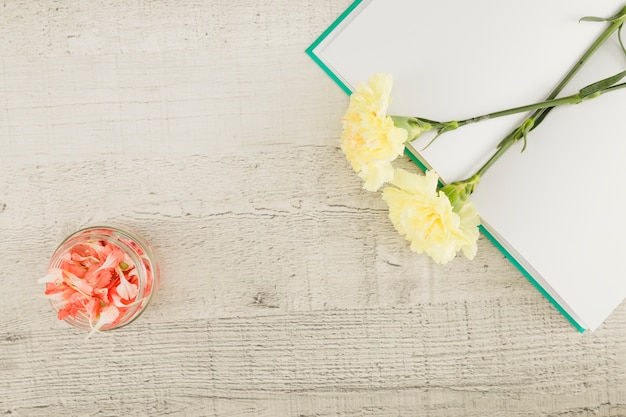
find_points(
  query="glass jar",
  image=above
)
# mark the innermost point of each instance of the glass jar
(102, 278)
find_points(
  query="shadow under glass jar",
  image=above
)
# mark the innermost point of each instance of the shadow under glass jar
(102, 278)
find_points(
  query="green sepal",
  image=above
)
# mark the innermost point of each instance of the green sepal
(413, 125)
(459, 192)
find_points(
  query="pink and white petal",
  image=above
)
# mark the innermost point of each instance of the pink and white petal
(128, 261)
(125, 289)
(92, 307)
(117, 300)
(113, 259)
(53, 275)
(78, 284)
(107, 316)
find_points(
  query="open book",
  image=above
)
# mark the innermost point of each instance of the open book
(556, 210)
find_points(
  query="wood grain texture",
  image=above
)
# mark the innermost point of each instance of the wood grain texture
(285, 289)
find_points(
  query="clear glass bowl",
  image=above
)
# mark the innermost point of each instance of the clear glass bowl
(140, 266)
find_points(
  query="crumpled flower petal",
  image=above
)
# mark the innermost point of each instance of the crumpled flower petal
(370, 140)
(108, 315)
(125, 289)
(425, 217)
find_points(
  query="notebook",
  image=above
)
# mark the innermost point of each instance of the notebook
(555, 210)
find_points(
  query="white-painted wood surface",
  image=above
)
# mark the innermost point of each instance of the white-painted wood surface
(285, 290)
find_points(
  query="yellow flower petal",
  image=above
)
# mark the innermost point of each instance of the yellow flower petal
(425, 217)
(370, 140)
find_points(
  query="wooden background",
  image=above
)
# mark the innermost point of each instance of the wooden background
(285, 290)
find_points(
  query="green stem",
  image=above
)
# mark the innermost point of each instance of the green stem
(529, 124)
(539, 114)
(504, 146)
(617, 22)
(572, 99)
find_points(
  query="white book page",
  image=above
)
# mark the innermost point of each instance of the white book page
(456, 59)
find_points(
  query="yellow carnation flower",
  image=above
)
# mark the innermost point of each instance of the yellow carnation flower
(370, 140)
(427, 219)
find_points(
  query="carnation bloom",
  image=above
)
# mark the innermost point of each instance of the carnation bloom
(427, 218)
(370, 139)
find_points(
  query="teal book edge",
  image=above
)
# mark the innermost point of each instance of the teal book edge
(310, 51)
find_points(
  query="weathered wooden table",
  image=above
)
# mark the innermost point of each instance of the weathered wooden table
(285, 290)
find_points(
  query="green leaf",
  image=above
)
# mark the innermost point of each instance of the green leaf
(619, 37)
(441, 129)
(596, 19)
(620, 16)
(526, 127)
(439, 133)
(601, 85)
